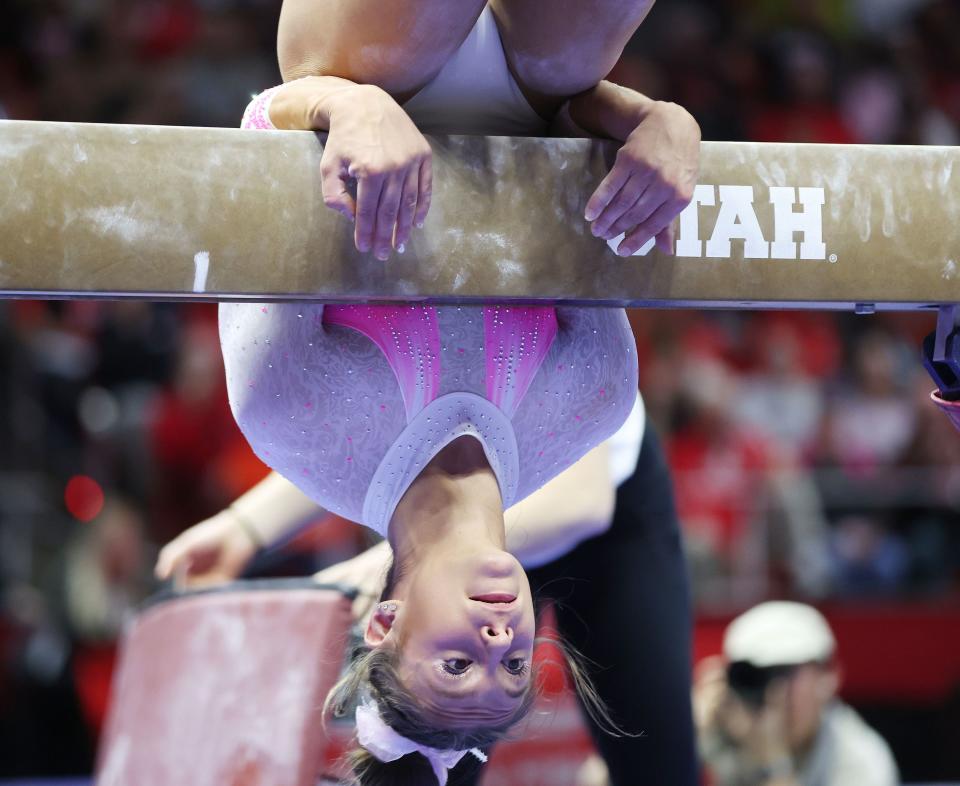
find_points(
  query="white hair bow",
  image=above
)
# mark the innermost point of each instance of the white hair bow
(388, 745)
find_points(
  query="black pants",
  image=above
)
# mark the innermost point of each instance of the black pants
(622, 599)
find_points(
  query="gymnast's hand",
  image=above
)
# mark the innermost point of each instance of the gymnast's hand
(212, 552)
(651, 182)
(373, 141)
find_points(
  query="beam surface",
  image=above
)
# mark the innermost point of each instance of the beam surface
(219, 214)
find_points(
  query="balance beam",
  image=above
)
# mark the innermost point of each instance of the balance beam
(100, 211)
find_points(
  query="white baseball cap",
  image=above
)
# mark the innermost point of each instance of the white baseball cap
(779, 633)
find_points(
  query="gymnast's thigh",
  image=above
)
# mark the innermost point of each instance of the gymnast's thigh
(399, 46)
(570, 49)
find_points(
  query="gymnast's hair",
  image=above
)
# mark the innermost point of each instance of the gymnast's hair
(374, 672)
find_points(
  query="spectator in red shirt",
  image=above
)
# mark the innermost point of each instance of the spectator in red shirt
(731, 482)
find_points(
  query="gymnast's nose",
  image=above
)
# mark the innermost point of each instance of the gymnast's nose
(497, 634)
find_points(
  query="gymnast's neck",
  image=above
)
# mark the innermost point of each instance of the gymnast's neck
(454, 503)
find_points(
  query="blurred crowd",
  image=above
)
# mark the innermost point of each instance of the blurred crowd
(872, 71)
(808, 459)
(807, 456)
(833, 71)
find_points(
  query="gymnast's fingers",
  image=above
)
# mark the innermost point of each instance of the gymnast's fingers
(368, 198)
(174, 558)
(631, 193)
(424, 190)
(668, 212)
(388, 211)
(167, 561)
(666, 240)
(650, 228)
(408, 207)
(609, 187)
(641, 210)
(333, 184)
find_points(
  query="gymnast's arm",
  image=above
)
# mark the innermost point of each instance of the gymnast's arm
(575, 505)
(218, 549)
(656, 169)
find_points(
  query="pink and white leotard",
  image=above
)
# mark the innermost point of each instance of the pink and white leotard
(351, 402)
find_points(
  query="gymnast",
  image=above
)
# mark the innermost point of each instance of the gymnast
(626, 576)
(425, 423)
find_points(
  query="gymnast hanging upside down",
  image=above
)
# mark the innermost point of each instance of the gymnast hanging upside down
(425, 423)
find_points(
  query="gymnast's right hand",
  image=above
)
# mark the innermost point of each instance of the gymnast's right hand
(210, 553)
(373, 142)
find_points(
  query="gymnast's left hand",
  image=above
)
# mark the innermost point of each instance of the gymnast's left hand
(651, 182)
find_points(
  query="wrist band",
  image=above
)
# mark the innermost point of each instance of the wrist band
(257, 114)
(247, 526)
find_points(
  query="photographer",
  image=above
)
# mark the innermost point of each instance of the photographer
(767, 712)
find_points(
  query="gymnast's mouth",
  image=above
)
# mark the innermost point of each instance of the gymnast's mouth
(494, 597)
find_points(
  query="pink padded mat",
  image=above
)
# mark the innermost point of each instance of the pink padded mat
(225, 689)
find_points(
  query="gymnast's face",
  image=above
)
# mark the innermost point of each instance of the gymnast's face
(465, 628)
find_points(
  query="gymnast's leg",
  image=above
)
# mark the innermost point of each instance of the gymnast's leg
(571, 49)
(623, 600)
(400, 49)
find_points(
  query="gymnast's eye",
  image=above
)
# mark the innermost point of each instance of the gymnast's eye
(456, 666)
(516, 666)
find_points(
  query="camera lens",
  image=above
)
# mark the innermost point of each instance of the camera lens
(750, 683)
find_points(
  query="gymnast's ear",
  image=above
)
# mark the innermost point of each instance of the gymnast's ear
(381, 622)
